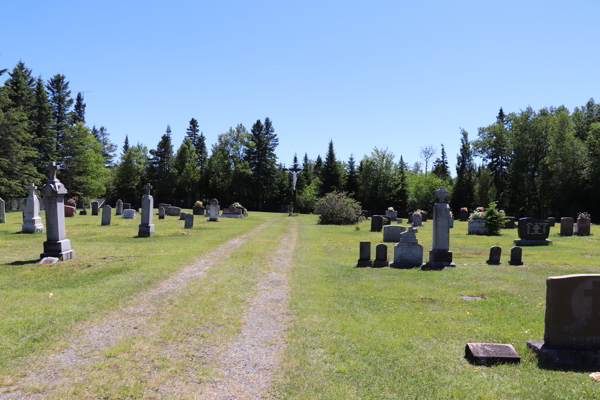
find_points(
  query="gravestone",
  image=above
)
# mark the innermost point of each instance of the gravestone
(583, 226)
(70, 211)
(161, 213)
(391, 233)
(408, 253)
(495, 253)
(83, 212)
(95, 207)
(119, 207)
(533, 232)
(491, 353)
(182, 215)
(364, 256)
(32, 222)
(417, 220)
(509, 223)
(572, 323)
(213, 210)
(129, 213)
(464, 215)
(146, 227)
(198, 210)
(381, 256)
(376, 223)
(424, 216)
(2, 212)
(410, 216)
(552, 221)
(189, 221)
(126, 206)
(106, 215)
(566, 226)
(440, 255)
(393, 215)
(516, 256)
(174, 211)
(57, 245)
(477, 226)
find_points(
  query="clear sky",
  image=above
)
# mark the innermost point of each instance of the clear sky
(387, 74)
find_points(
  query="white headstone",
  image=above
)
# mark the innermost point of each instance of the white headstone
(106, 215)
(32, 222)
(129, 213)
(213, 210)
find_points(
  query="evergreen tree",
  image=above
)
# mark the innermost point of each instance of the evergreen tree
(307, 167)
(43, 137)
(462, 195)
(401, 192)
(79, 114)
(318, 167)
(262, 159)
(20, 88)
(330, 175)
(161, 170)
(192, 131)
(352, 187)
(440, 166)
(130, 174)
(109, 149)
(61, 101)
(126, 145)
(187, 170)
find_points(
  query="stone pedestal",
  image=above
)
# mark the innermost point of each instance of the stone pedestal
(32, 222)
(147, 229)
(440, 255)
(57, 245)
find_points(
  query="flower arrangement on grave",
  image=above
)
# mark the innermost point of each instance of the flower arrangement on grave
(479, 209)
(390, 208)
(417, 213)
(72, 202)
(502, 211)
(464, 209)
(584, 215)
(198, 204)
(477, 215)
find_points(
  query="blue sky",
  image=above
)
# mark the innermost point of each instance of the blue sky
(387, 74)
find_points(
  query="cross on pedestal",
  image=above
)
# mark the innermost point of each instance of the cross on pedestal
(147, 188)
(442, 193)
(52, 168)
(32, 188)
(594, 293)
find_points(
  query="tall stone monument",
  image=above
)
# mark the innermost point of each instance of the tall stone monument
(440, 255)
(53, 193)
(147, 229)
(2, 212)
(32, 222)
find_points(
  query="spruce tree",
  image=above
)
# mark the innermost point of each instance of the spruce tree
(330, 175)
(192, 131)
(61, 101)
(21, 87)
(262, 159)
(307, 167)
(126, 145)
(109, 149)
(440, 166)
(43, 138)
(79, 114)
(161, 169)
(463, 191)
(318, 167)
(401, 193)
(352, 182)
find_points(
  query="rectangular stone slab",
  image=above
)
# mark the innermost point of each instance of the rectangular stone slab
(491, 353)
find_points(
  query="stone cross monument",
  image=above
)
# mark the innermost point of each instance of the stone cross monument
(440, 255)
(147, 229)
(32, 222)
(53, 193)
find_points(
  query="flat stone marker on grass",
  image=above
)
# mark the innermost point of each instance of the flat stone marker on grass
(106, 215)
(516, 256)
(129, 214)
(381, 256)
(147, 228)
(566, 226)
(161, 213)
(391, 233)
(491, 353)
(119, 207)
(495, 253)
(189, 221)
(364, 257)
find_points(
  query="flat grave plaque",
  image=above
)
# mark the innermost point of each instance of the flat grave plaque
(491, 353)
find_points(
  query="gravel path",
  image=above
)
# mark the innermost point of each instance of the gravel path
(91, 338)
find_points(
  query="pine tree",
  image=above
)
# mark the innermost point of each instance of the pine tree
(318, 167)
(21, 87)
(161, 169)
(462, 193)
(262, 159)
(43, 138)
(192, 131)
(330, 175)
(126, 145)
(440, 166)
(352, 186)
(401, 193)
(307, 167)
(61, 101)
(79, 114)
(109, 149)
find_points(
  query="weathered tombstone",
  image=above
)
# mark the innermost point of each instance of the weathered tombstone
(2, 212)
(583, 226)
(566, 226)
(57, 245)
(119, 207)
(533, 232)
(182, 215)
(491, 353)
(364, 257)
(126, 206)
(572, 325)
(381, 256)
(440, 255)
(106, 215)
(174, 211)
(552, 221)
(83, 212)
(129, 213)
(213, 210)
(146, 227)
(70, 211)
(189, 221)
(408, 253)
(417, 220)
(393, 215)
(391, 233)
(95, 207)
(424, 216)
(161, 213)
(198, 210)
(410, 217)
(509, 223)
(464, 214)
(516, 256)
(376, 223)
(495, 253)
(32, 222)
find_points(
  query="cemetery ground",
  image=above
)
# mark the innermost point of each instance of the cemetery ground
(176, 308)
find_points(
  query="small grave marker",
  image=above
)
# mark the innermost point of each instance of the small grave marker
(491, 353)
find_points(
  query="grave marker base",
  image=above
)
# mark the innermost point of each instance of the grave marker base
(563, 357)
(146, 230)
(364, 263)
(529, 242)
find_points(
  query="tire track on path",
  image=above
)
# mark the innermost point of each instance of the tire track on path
(91, 337)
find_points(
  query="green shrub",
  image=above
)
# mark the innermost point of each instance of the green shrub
(495, 219)
(336, 208)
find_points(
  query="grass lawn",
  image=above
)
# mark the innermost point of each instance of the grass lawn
(354, 332)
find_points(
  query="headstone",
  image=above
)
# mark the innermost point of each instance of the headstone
(495, 253)
(393, 215)
(198, 210)
(129, 213)
(424, 216)
(572, 324)
(126, 206)
(491, 353)
(381, 256)
(552, 221)
(391, 233)
(516, 256)
(106, 215)
(161, 213)
(509, 223)
(410, 217)
(83, 212)
(119, 207)
(408, 253)
(32, 222)
(364, 257)
(213, 210)
(464, 215)
(533, 232)
(566, 226)
(417, 220)
(174, 211)
(57, 245)
(182, 215)
(440, 255)
(583, 226)
(95, 207)
(146, 227)
(2, 211)
(70, 211)
(189, 221)
(477, 226)
(376, 223)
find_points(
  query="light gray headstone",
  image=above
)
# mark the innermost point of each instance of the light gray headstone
(391, 233)
(119, 207)
(495, 253)
(440, 255)
(408, 252)
(161, 213)
(32, 222)
(213, 210)
(129, 214)
(189, 221)
(106, 215)
(2, 212)
(147, 229)
(174, 211)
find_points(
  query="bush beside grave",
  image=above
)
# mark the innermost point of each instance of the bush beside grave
(336, 208)
(495, 219)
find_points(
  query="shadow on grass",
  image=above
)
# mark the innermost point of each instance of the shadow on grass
(23, 262)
